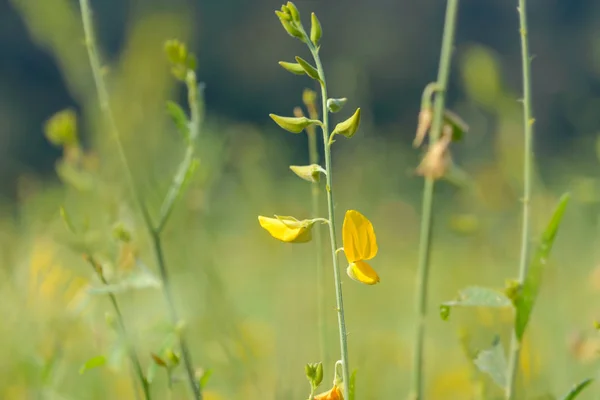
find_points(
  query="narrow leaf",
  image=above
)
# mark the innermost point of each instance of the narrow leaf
(180, 119)
(493, 362)
(309, 69)
(531, 286)
(352, 386)
(93, 362)
(475, 296)
(577, 389)
(203, 381)
(294, 68)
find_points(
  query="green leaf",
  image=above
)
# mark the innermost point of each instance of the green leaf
(294, 68)
(493, 362)
(203, 381)
(475, 296)
(64, 215)
(180, 119)
(525, 300)
(352, 386)
(577, 389)
(293, 124)
(309, 69)
(315, 29)
(349, 127)
(93, 362)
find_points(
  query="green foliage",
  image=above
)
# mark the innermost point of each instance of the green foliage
(475, 296)
(528, 292)
(577, 389)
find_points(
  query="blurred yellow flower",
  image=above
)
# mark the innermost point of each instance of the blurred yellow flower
(333, 394)
(288, 229)
(360, 244)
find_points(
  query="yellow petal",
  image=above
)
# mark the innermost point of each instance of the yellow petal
(287, 230)
(333, 394)
(358, 236)
(362, 272)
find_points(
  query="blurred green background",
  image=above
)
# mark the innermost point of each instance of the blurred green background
(250, 301)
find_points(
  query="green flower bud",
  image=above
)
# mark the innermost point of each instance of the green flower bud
(292, 67)
(293, 12)
(315, 29)
(293, 124)
(349, 127)
(310, 173)
(309, 69)
(335, 105)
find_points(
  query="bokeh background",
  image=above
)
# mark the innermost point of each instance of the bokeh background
(250, 301)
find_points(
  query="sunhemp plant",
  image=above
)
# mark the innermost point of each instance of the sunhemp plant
(358, 235)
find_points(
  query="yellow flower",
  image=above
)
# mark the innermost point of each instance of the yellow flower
(360, 244)
(288, 229)
(334, 394)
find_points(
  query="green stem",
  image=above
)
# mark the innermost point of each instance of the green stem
(515, 348)
(103, 99)
(135, 361)
(86, 15)
(332, 234)
(427, 220)
(187, 357)
(313, 154)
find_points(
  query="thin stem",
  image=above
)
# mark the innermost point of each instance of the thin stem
(103, 99)
(135, 361)
(427, 220)
(86, 15)
(332, 234)
(515, 348)
(187, 357)
(313, 154)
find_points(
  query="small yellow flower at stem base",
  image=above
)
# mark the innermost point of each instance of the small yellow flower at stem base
(360, 244)
(288, 229)
(335, 393)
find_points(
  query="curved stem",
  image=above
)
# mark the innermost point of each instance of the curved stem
(426, 218)
(515, 348)
(332, 235)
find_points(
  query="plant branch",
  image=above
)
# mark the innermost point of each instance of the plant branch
(332, 234)
(426, 218)
(515, 348)
(175, 190)
(313, 154)
(135, 361)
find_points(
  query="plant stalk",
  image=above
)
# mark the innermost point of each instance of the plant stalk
(332, 234)
(427, 205)
(135, 361)
(528, 121)
(313, 155)
(103, 98)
